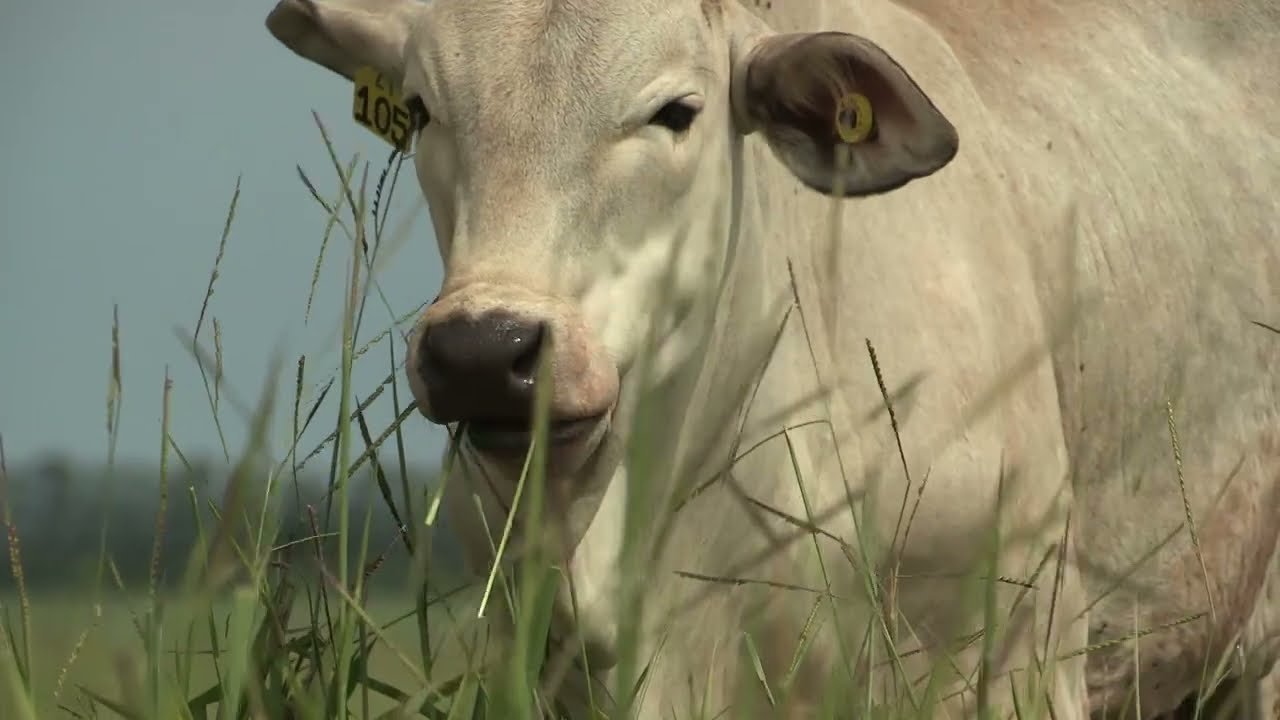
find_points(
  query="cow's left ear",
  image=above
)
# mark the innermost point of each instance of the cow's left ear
(839, 112)
(344, 35)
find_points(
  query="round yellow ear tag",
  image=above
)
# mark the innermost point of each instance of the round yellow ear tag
(853, 118)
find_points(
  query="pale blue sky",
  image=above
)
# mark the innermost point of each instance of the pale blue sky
(125, 127)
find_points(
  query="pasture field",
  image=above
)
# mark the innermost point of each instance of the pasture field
(82, 648)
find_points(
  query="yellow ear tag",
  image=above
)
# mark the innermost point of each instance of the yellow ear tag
(854, 118)
(378, 107)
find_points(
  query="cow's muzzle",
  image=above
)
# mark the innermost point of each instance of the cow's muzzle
(481, 372)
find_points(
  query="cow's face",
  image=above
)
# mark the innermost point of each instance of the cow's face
(578, 158)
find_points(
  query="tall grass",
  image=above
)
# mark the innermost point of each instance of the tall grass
(273, 617)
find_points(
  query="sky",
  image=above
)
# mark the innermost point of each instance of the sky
(126, 126)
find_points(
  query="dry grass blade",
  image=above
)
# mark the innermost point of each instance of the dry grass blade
(158, 540)
(739, 581)
(334, 210)
(1132, 636)
(1195, 538)
(217, 363)
(22, 660)
(1122, 578)
(217, 261)
(76, 649)
(897, 436)
(1186, 507)
(1273, 328)
(113, 383)
(204, 308)
(205, 359)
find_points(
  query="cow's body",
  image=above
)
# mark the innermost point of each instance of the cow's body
(1162, 121)
(1112, 204)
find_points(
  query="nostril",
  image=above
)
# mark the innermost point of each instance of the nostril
(528, 349)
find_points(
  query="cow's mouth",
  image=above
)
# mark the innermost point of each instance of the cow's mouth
(514, 436)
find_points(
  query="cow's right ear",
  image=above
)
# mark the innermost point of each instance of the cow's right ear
(344, 35)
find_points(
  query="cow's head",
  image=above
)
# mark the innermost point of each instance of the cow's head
(575, 153)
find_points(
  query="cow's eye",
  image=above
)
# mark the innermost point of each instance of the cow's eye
(675, 116)
(418, 111)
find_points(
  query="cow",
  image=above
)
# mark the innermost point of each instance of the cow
(844, 362)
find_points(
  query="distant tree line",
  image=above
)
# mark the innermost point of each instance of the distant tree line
(59, 508)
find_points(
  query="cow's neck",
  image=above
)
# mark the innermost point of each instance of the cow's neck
(695, 415)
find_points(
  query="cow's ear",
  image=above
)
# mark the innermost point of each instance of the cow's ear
(344, 35)
(840, 113)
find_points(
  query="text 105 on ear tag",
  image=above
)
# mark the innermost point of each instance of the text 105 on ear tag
(378, 107)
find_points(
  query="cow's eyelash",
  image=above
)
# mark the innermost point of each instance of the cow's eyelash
(676, 116)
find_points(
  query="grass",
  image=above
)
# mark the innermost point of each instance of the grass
(84, 648)
(276, 617)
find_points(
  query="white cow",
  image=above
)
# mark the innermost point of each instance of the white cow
(601, 174)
